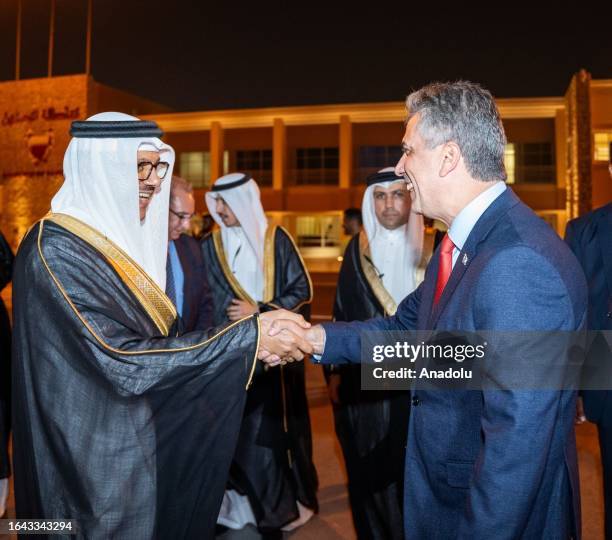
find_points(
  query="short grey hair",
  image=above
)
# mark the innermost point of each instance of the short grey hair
(465, 113)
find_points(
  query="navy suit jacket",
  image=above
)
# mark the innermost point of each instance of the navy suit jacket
(492, 463)
(590, 238)
(197, 304)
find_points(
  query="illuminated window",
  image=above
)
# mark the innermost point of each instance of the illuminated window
(601, 145)
(510, 162)
(195, 167)
(257, 163)
(318, 231)
(530, 163)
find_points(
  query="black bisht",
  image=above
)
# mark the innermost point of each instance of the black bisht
(273, 460)
(116, 426)
(371, 426)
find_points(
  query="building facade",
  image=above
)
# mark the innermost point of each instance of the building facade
(310, 161)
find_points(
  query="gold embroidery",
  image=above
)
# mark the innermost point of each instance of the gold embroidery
(149, 351)
(372, 277)
(229, 275)
(249, 382)
(269, 263)
(310, 289)
(269, 268)
(154, 301)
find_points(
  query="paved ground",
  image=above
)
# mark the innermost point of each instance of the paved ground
(334, 521)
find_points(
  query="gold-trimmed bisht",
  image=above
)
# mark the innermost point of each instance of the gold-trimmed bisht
(114, 350)
(154, 301)
(374, 280)
(269, 269)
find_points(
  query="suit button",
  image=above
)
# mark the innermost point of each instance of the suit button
(415, 401)
(609, 314)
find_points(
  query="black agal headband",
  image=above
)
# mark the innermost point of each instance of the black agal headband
(380, 177)
(245, 178)
(113, 129)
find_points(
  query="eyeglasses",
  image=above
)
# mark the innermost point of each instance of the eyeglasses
(145, 168)
(183, 216)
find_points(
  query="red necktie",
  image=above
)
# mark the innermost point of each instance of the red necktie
(445, 266)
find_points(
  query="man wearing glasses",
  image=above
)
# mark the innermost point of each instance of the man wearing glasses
(125, 423)
(186, 283)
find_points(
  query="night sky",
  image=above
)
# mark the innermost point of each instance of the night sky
(194, 55)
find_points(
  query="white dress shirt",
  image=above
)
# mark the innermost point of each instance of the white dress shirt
(393, 259)
(464, 222)
(243, 263)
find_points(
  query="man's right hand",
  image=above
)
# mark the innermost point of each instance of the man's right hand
(282, 337)
(315, 335)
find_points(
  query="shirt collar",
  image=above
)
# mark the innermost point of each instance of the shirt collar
(387, 234)
(463, 224)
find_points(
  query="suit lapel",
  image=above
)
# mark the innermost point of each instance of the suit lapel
(187, 276)
(465, 256)
(604, 238)
(481, 229)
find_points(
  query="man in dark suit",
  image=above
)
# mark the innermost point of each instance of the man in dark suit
(590, 238)
(186, 283)
(481, 463)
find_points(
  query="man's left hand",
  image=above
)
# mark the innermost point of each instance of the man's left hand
(239, 309)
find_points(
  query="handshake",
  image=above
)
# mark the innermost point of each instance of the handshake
(286, 336)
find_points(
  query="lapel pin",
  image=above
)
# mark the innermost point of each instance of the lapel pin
(465, 259)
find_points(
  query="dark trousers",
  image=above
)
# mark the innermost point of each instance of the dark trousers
(605, 444)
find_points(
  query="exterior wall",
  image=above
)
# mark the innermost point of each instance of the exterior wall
(35, 117)
(378, 134)
(374, 134)
(601, 119)
(314, 198)
(530, 129)
(535, 130)
(198, 141)
(29, 127)
(314, 136)
(248, 139)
